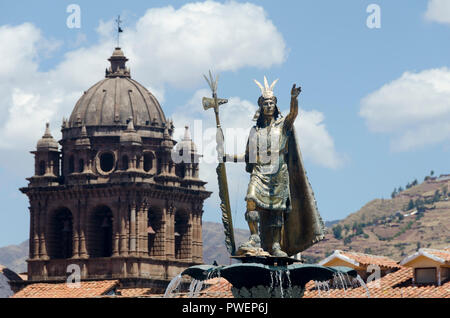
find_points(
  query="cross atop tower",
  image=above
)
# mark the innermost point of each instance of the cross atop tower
(119, 30)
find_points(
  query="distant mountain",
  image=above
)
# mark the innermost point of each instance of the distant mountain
(416, 217)
(214, 242)
(14, 257)
(329, 224)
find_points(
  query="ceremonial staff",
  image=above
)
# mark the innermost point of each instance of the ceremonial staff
(227, 220)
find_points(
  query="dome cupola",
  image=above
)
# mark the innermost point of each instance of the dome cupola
(118, 68)
(186, 143)
(113, 100)
(47, 142)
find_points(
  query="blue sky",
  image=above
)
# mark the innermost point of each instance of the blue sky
(375, 102)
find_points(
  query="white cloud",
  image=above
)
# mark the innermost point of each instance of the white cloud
(438, 11)
(414, 109)
(316, 144)
(166, 46)
(188, 41)
(19, 50)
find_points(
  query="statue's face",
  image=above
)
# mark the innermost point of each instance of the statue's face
(268, 107)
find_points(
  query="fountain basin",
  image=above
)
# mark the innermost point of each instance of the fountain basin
(255, 280)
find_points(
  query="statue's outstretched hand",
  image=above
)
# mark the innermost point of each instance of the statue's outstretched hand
(295, 91)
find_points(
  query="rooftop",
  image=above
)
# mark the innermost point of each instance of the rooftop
(395, 284)
(86, 289)
(361, 259)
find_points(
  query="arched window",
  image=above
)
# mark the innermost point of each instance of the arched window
(107, 161)
(41, 168)
(60, 232)
(159, 166)
(81, 165)
(71, 164)
(148, 162)
(155, 234)
(182, 237)
(100, 232)
(180, 170)
(125, 162)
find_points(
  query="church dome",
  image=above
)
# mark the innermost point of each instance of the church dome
(115, 99)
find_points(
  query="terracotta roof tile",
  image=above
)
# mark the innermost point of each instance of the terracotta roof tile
(220, 288)
(136, 292)
(367, 259)
(62, 290)
(443, 254)
(393, 285)
(216, 288)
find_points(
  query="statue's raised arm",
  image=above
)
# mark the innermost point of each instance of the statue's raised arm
(290, 118)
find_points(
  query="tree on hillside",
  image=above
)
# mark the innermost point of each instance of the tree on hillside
(348, 240)
(431, 173)
(337, 232)
(347, 227)
(394, 193)
(410, 205)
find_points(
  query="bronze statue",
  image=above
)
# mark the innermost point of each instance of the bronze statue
(281, 209)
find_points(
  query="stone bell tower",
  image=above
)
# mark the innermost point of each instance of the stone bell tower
(111, 200)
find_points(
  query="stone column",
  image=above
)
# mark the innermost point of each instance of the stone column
(138, 229)
(133, 229)
(76, 235)
(82, 212)
(123, 230)
(197, 253)
(133, 161)
(189, 170)
(140, 163)
(188, 242)
(116, 230)
(42, 232)
(31, 247)
(169, 223)
(36, 231)
(142, 228)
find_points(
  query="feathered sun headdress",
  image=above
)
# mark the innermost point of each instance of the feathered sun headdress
(266, 90)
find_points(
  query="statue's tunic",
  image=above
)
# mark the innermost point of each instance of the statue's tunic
(269, 181)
